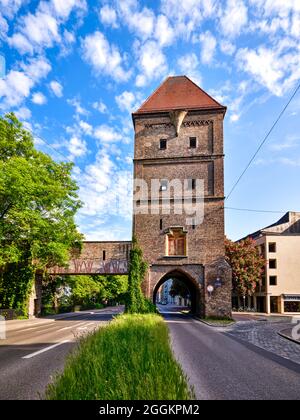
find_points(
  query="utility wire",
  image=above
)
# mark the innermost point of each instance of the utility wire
(38, 137)
(255, 210)
(263, 142)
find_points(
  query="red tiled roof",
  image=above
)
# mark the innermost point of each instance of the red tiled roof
(178, 92)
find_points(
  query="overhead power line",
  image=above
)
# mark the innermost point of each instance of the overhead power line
(255, 210)
(263, 142)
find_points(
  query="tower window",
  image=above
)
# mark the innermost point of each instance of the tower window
(272, 247)
(164, 185)
(191, 184)
(163, 144)
(160, 224)
(193, 142)
(104, 255)
(273, 280)
(176, 242)
(273, 264)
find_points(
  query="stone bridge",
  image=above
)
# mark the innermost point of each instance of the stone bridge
(98, 258)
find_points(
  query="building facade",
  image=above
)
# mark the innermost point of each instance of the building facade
(179, 136)
(280, 245)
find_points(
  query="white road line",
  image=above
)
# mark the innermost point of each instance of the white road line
(72, 326)
(29, 356)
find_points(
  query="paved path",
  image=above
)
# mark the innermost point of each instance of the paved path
(224, 367)
(265, 335)
(36, 349)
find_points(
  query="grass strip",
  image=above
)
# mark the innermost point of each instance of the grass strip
(129, 359)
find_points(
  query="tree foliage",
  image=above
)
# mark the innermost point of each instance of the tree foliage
(247, 265)
(64, 292)
(178, 288)
(38, 202)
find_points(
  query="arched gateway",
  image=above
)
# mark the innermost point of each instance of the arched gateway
(178, 160)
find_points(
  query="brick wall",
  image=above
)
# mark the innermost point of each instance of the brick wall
(204, 263)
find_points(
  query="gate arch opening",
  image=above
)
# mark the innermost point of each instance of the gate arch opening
(190, 284)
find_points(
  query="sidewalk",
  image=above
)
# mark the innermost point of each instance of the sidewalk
(16, 323)
(257, 316)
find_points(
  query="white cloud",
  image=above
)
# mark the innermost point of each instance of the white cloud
(208, 47)
(100, 106)
(290, 142)
(63, 8)
(227, 47)
(105, 190)
(23, 113)
(189, 65)
(152, 63)
(39, 98)
(108, 16)
(17, 84)
(234, 18)
(21, 43)
(77, 147)
(103, 57)
(164, 33)
(270, 68)
(186, 16)
(56, 88)
(77, 105)
(3, 27)
(86, 128)
(40, 30)
(107, 134)
(126, 101)
(10, 7)
(141, 23)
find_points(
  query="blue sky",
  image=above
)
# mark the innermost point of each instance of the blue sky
(76, 69)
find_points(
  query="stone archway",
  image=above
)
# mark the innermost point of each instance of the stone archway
(192, 285)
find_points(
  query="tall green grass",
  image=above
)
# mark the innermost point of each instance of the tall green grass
(130, 359)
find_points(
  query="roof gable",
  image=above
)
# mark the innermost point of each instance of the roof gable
(178, 93)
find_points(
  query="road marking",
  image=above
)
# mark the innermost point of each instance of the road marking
(29, 356)
(72, 326)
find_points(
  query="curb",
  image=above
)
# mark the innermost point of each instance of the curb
(214, 325)
(288, 338)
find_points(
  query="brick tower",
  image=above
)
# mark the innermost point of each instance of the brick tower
(179, 135)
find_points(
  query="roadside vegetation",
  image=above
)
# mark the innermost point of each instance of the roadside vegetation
(136, 303)
(130, 359)
(38, 203)
(219, 321)
(68, 293)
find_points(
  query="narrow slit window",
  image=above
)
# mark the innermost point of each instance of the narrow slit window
(160, 224)
(193, 142)
(104, 255)
(164, 185)
(163, 144)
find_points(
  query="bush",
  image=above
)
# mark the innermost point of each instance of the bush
(130, 359)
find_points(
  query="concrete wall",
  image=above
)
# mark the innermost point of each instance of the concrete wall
(287, 256)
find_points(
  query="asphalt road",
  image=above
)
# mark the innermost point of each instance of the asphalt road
(220, 367)
(34, 350)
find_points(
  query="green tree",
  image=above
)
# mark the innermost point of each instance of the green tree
(85, 290)
(247, 265)
(178, 288)
(38, 202)
(114, 287)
